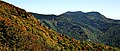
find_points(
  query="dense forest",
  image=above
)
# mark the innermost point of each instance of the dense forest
(21, 31)
(90, 26)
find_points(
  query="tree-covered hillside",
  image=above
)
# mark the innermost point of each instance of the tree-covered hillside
(112, 36)
(20, 31)
(82, 26)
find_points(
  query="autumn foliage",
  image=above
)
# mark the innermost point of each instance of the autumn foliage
(20, 31)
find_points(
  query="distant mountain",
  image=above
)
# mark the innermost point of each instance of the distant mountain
(82, 26)
(20, 31)
(46, 17)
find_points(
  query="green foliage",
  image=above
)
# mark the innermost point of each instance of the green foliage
(20, 31)
(83, 26)
(111, 36)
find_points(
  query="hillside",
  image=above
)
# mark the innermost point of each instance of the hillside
(82, 26)
(111, 36)
(20, 31)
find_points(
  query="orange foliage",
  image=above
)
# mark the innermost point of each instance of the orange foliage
(7, 22)
(73, 40)
(78, 43)
(23, 28)
(1, 18)
(36, 21)
(60, 38)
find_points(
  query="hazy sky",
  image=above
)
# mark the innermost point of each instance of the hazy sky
(109, 8)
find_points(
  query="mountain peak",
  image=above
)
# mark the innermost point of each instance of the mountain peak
(95, 15)
(80, 12)
(73, 12)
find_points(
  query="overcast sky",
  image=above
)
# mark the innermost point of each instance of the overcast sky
(109, 8)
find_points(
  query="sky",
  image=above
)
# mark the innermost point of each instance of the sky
(109, 8)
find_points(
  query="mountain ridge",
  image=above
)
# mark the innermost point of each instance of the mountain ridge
(76, 12)
(92, 24)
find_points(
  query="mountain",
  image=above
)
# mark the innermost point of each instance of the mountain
(111, 36)
(20, 31)
(46, 17)
(90, 26)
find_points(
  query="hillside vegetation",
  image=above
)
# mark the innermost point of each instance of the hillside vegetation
(90, 26)
(20, 31)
